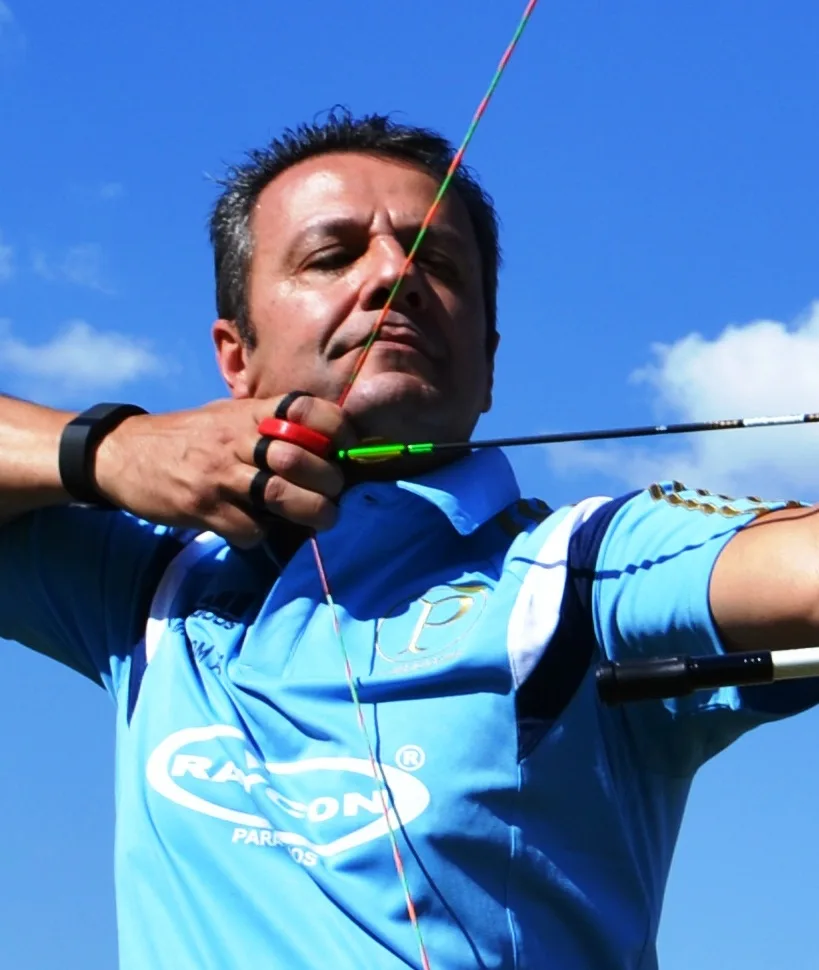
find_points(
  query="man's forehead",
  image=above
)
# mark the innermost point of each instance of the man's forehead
(344, 184)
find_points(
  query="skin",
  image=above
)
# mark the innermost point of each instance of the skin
(764, 590)
(330, 238)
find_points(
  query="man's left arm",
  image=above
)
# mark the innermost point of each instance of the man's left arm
(676, 571)
(764, 589)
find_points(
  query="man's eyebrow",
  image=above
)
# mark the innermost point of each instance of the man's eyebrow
(441, 232)
(324, 228)
(335, 227)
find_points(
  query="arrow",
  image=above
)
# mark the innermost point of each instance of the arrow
(385, 452)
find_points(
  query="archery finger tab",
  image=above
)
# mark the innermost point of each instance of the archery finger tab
(258, 488)
(296, 434)
(260, 452)
(284, 405)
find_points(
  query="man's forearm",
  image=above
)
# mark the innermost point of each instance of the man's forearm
(29, 465)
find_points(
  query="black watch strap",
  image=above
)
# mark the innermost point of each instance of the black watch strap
(78, 448)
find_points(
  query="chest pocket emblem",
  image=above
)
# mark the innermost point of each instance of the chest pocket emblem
(416, 634)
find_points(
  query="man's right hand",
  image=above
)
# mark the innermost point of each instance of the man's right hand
(194, 468)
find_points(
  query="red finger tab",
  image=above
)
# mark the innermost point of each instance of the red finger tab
(296, 434)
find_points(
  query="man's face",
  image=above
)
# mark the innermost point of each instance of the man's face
(330, 238)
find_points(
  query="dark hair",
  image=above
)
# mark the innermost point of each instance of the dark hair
(230, 222)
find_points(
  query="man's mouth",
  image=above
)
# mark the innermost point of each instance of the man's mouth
(400, 332)
(404, 337)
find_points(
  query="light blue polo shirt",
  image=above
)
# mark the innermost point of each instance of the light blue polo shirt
(536, 826)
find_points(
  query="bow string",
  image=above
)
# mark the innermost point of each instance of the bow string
(387, 805)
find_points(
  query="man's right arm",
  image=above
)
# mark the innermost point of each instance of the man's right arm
(73, 581)
(29, 471)
(189, 469)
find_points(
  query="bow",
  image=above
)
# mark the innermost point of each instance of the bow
(663, 677)
(616, 682)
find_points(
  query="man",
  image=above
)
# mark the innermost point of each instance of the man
(533, 827)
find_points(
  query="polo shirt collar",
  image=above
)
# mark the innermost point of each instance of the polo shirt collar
(469, 491)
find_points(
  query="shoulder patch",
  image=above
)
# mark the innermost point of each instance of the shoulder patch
(713, 503)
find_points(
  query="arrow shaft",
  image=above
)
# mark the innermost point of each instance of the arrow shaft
(384, 452)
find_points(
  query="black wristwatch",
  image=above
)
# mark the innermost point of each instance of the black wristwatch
(78, 448)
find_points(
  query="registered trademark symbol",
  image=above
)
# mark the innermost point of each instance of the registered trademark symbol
(410, 757)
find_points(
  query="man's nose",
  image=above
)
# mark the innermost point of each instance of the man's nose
(387, 262)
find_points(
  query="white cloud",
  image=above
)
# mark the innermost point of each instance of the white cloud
(762, 367)
(6, 261)
(81, 265)
(78, 358)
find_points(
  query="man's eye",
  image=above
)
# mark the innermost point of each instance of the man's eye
(331, 259)
(441, 266)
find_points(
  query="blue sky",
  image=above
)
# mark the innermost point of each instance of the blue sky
(655, 170)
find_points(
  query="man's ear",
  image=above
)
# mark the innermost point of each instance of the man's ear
(491, 349)
(231, 357)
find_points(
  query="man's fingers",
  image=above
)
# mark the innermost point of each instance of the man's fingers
(194, 468)
(301, 485)
(298, 466)
(313, 412)
(303, 506)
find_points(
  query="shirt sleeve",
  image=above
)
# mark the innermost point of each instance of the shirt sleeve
(76, 585)
(653, 554)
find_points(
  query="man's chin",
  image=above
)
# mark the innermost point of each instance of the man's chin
(395, 406)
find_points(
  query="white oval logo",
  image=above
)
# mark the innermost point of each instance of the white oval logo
(169, 765)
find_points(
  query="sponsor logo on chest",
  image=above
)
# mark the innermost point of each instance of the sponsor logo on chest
(314, 808)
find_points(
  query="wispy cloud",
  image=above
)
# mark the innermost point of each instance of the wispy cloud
(6, 17)
(12, 39)
(104, 191)
(110, 190)
(81, 265)
(761, 367)
(6, 261)
(79, 358)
